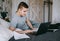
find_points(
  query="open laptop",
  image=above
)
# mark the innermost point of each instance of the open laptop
(43, 28)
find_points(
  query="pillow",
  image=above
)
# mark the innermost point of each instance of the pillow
(4, 23)
(5, 34)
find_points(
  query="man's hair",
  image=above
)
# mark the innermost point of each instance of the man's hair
(22, 4)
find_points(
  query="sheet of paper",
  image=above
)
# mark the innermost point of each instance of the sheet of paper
(20, 36)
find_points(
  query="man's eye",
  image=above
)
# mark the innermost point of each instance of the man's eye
(24, 11)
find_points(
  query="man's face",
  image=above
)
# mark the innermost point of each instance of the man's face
(23, 11)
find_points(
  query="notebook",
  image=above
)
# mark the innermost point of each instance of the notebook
(19, 36)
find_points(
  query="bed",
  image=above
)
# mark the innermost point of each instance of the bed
(5, 33)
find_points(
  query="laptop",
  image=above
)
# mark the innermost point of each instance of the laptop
(43, 28)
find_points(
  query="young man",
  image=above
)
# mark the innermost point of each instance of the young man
(20, 21)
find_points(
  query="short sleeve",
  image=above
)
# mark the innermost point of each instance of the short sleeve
(14, 22)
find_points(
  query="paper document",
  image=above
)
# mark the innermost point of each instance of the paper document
(20, 36)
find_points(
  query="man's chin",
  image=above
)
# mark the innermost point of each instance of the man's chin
(21, 16)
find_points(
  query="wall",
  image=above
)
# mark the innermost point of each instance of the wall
(56, 11)
(47, 10)
(36, 10)
(8, 8)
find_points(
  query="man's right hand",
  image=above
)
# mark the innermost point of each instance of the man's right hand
(28, 31)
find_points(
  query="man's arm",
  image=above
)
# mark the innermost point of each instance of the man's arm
(12, 28)
(26, 32)
(13, 24)
(20, 31)
(29, 24)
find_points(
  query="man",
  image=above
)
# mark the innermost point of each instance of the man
(20, 21)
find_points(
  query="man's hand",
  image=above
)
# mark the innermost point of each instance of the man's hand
(28, 31)
(34, 28)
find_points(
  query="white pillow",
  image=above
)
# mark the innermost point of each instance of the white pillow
(5, 34)
(4, 23)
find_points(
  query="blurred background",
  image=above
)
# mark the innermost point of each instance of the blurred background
(39, 10)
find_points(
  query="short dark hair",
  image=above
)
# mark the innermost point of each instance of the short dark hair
(22, 4)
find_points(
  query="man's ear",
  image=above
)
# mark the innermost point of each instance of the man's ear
(19, 9)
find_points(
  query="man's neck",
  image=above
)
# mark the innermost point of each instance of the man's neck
(18, 14)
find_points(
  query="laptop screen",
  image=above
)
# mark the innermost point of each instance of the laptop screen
(43, 28)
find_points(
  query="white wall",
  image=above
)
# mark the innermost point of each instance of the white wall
(56, 11)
